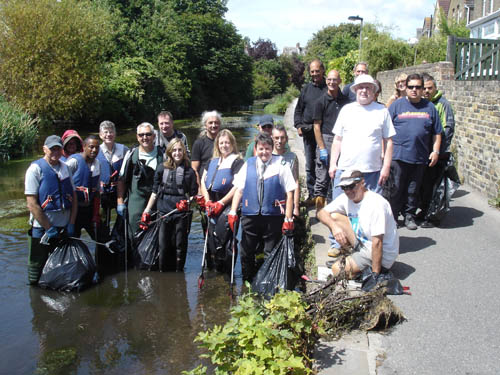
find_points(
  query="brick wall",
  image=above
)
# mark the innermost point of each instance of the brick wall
(476, 104)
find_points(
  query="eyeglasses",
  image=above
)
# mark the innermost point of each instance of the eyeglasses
(414, 87)
(349, 187)
(140, 135)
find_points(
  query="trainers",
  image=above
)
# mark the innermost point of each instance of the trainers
(427, 224)
(410, 223)
(320, 202)
(334, 252)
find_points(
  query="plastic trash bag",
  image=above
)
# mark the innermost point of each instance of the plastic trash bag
(147, 251)
(443, 190)
(70, 267)
(278, 270)
(384, 279)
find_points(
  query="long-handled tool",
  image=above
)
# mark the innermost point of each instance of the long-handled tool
(201, 278)
(164, 216)
(106, 245)
(233, 259)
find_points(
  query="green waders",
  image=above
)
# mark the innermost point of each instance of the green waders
(38, 255)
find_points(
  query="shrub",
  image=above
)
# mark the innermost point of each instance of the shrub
(274, 337)
(18, 131)
(280, 102)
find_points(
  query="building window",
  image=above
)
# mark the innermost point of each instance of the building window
(489, 30)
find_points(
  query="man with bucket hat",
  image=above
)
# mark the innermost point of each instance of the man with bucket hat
(51, 200)
(361, 221)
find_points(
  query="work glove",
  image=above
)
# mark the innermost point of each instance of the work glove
(182, 205)
(121, 209)
(200, 200)
(70, 229)
(371, 282)
(145, 220)
(209, 206)
(287, 227)
(232, 219)
(52, 232)
(216, 209)
(323, 155)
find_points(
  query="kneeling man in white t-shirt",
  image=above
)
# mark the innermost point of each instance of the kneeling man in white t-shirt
(363, 220)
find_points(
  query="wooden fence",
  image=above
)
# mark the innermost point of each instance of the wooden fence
(474, 59)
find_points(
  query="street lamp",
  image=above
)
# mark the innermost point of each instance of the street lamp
(358, 18)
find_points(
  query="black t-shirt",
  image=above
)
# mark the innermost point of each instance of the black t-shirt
(304, 110)
(203, 149)
(327, 110)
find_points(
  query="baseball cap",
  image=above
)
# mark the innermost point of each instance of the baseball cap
(53, 140)
(364, 78)
(266, 120)
(350, 177)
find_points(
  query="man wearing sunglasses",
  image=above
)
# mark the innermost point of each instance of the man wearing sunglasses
(416, 146)
(361, 220)
(137, 176)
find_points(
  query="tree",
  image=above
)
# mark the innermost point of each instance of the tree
(333, 41)
(263, 49)
(294, 69)
(52, 54)
(269, 79)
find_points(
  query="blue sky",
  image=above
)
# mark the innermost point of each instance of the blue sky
(287, 22)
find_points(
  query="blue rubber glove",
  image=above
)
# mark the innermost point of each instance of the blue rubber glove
(323, 155)
(52, 232)
(70, 229)
(121, 210)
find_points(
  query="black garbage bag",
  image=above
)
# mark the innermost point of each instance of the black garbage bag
(446, 185)
(221, 242)
(109, 263)
(384, 279)
(278, 270)
(70, 267)
(147, 250)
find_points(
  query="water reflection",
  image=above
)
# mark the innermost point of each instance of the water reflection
(137, 322)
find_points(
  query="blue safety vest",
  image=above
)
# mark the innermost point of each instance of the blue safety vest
(110, 171)
(86, 185)
(219, 180)
(274, 194)
(54, 194)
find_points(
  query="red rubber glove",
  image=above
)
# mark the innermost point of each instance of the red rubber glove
(200, 200)
(182, 205)
(287, 226)
(217, 208)
(209, 207)
(96, 217)
(232, 219)
(145, 220)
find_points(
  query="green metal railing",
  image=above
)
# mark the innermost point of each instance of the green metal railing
(474, 59)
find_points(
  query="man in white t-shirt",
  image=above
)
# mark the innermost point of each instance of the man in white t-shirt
(362, 220)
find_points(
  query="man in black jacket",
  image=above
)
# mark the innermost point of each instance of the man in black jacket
(303, 119)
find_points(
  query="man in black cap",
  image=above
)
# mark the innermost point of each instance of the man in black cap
(266, 124)
(51, 200)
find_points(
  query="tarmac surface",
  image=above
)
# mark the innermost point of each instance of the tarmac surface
(453, 313)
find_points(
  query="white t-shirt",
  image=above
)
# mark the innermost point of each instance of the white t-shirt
(363, 128)
(32, 184)
(274, 167)
(370, 217)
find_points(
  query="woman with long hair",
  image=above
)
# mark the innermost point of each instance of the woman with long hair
(174, 183)
(217, 189)
(399, 89)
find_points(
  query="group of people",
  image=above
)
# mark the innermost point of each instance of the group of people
(381, 161)
(77, 183)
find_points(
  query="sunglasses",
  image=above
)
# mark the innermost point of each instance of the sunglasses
(414, 87)
(140, 135)
(349, 187)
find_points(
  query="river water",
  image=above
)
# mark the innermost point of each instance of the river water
(137, 322)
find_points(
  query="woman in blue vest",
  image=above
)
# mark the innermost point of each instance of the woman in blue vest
(265, 187)
(174, 182)
(217, 189)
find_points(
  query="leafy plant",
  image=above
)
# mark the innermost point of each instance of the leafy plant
(273, 337)
(280, 102)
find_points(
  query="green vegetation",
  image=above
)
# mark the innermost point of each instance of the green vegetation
(280, 102)
(57, 362)
(274, 337)
(18, 130)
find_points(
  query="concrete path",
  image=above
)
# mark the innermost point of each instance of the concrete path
(453, 314)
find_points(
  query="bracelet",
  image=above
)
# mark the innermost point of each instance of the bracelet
(437, 152)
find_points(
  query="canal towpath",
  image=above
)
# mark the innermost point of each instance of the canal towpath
(453, 319)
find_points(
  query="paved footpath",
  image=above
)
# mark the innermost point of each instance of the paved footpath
(453, 314)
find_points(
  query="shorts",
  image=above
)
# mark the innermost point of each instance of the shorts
(364, 260)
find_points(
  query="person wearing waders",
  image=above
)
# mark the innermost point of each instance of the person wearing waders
(86, 172)
(217, 190)
(135, 183)
(174, 183)
(110, 157)
(264, 186)
(51, 200)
